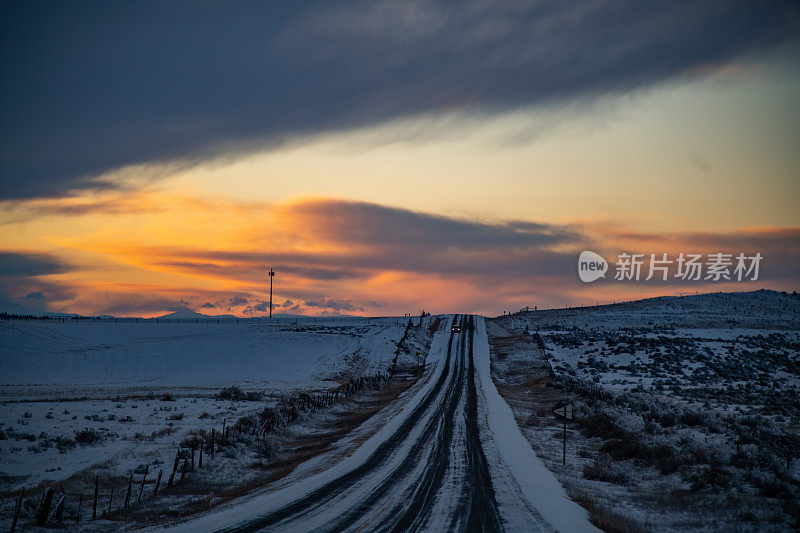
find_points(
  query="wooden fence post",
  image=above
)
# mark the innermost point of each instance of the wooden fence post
(158, 482)
(212, 442)
(44, 507)
(80, 503)
(128, 495)
(200, 461)
(110, 498)
(58, 513)
(94, 506)
(17, 509)
(193, 446)
(141, 488)
(174, 469)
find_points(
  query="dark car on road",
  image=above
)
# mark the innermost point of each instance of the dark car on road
(456, 329)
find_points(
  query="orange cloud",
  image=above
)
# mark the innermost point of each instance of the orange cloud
(148, 253)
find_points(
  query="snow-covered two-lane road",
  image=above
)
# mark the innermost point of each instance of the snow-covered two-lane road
(452, 460)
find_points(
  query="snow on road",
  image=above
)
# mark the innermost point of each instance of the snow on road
(451, 459)
(521, 477)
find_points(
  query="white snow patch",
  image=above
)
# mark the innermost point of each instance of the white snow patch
(537, 484)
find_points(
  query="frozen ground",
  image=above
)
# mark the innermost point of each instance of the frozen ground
(452, 459)
(78, 393)
(686, 418)
(728, 365)
(86, 359)
(743, 369)
(42, 438)
(444, 451)
(687, 409)
(761, 309)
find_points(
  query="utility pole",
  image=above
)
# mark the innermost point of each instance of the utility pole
(271, 275)
(564, 461)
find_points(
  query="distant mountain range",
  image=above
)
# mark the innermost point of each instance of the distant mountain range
(14, 308)
(761, 305)
(188, 313)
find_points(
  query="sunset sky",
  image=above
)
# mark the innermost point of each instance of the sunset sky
(386, 157)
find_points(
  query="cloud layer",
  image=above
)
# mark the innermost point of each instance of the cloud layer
(92, 87)
(335, 256)
(16, 264)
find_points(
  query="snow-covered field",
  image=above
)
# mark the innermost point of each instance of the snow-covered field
(687, 415)
(726, 367)
(432, 446)
(687, 409)
(84, 358)
(452, 459)
(729, 365)
(43, 439)
(79, 393)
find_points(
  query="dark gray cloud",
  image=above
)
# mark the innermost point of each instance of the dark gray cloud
(93, 86)
(260, 307)
(333, 304)
(779, 248)
(263, 307)
(390, 239)
(208, 305)
(136, 304)
(36, 301)
(385, 238)
(388, 227)
(321, 274)
(38, 295)
(238, 300)
(23, 264)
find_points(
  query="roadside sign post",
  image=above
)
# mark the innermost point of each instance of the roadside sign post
(565, 412)
(564, 459)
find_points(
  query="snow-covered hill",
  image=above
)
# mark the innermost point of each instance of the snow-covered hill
(686, 409)
(756, 309)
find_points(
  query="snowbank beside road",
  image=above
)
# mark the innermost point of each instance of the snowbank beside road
(516, 462)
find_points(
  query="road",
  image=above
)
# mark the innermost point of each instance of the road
(453, 459)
